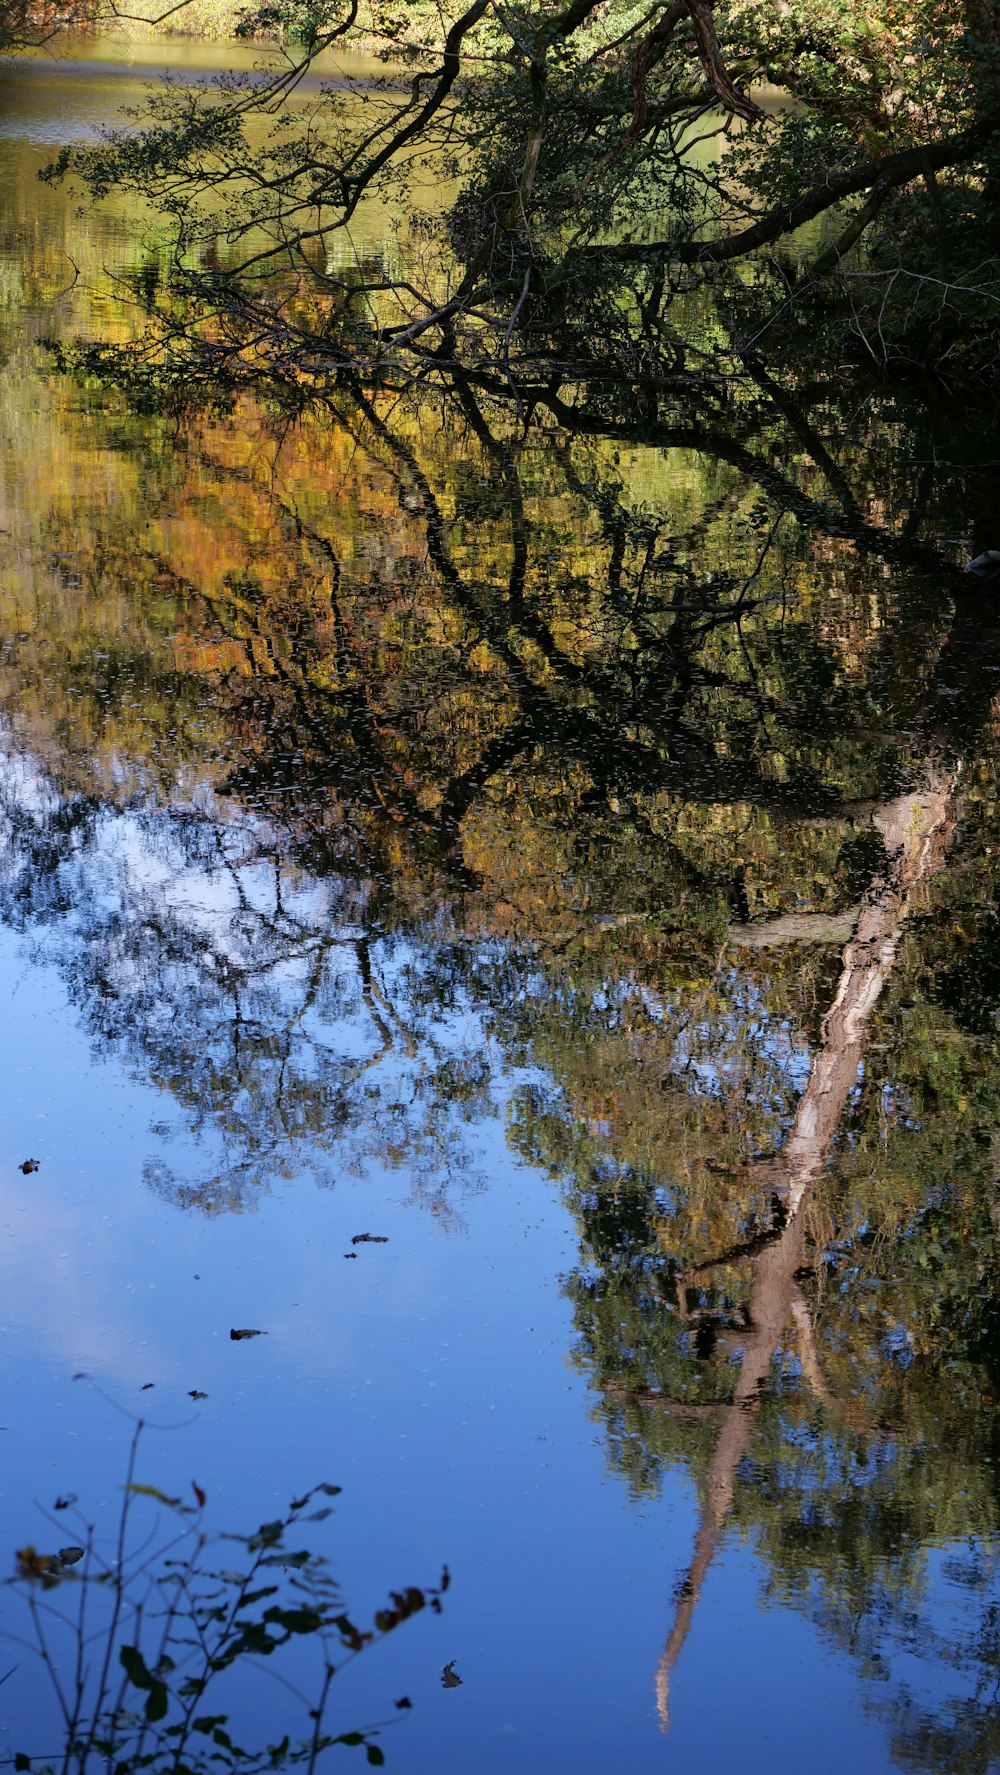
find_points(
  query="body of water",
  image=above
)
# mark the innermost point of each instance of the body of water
(509, 914)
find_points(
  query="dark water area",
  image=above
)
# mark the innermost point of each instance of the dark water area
(565, 850)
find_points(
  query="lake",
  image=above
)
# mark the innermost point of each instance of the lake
(509, 914)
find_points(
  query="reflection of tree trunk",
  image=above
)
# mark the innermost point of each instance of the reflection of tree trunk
(795, 927)
(915, 828)
(774, 1275)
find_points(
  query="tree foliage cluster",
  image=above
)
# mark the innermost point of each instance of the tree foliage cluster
(594, 189)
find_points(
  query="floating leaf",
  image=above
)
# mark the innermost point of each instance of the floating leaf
(194, 1394)
(404, 1701)
(449, 1677)
(199, 1494)
(238, 1336)
(32, 1564)
(64, 1501)
(28, 1166)
(146, 1386)
(350, 1254)
(370, 1239)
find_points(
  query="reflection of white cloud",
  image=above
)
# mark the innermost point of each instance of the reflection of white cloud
(58, 1265)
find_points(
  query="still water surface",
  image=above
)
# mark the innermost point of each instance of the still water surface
(546, 856)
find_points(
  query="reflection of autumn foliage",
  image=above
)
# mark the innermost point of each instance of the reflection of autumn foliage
(586, 687)
(559, 772)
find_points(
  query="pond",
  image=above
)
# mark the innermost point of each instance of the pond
(508, 913)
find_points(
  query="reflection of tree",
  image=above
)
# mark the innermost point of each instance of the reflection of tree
(597, 721)
(473, 748)
(913, 827)
(255, 1001)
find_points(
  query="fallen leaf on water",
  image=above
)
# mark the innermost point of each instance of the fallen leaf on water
(449, 1677)
(71, 1555)
(404, 1701)
(63, 1503)
(238, 1335)
(146, 1386)
(32, 1564)
(350, 1254)
(370, 1239)
(28, 1166)
(193, 1393)
(199, 1494)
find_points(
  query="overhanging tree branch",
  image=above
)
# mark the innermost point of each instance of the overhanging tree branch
(889, 172)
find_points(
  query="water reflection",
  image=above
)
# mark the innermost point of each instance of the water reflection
(374, 775)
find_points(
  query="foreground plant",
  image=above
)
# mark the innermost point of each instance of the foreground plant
(138, 1639)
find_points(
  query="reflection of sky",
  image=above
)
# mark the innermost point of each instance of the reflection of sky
(428, 1375)
(195, 955)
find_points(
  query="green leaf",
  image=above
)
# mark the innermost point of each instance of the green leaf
(266, 1536)
(296, 1620)
(156, 1706)
(134, 1666)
